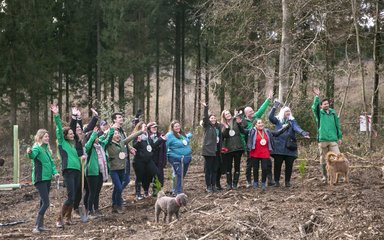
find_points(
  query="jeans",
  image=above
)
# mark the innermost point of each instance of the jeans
(176, 166)
(72, 179)
(118, 177)
(43, 188)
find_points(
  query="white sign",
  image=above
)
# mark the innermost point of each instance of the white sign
(363, 123)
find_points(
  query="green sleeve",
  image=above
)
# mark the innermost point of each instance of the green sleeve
(59, 129)
(340, 134)
(89, 144)
(54, 170)
(35, 151)
(103, 140)
(262, 109)
(315, 106)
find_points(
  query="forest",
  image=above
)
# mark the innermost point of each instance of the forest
(166, 57)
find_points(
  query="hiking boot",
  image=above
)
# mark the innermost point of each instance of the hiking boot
(229, 187)
(248, 185)
(209, 189)
(271, 182)
(139, 197)
(36, 229)
(63, 212)
(277, 184)
(263, 186)
(287, 184)
(114, 209)
(236, 177)
(255, 184)
(92, 215)
(119, 209)
(68, 216)
(214, 189)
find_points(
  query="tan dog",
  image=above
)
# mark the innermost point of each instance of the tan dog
(169, 205)
(337, 164)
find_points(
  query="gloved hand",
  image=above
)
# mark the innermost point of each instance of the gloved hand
(276, 103)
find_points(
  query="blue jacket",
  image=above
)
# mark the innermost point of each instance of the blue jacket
(279, 142)
(175, 146)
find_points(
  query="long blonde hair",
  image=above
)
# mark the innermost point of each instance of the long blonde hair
(222, 116)
(39, 138)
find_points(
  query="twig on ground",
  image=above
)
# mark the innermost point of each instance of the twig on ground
(212, 232)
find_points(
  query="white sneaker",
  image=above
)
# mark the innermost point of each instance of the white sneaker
(248, 185)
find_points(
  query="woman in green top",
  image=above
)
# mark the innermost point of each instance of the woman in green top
(43, 168)
(70, 166)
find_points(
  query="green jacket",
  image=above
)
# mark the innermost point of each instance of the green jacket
(328, 125)
(92, 165)
(247, 124)
(43, 166)
(68, 154)
(114, 148)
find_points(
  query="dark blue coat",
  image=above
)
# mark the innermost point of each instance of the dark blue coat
(280, 141)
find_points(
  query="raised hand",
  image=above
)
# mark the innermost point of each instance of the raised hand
(75, 112)
(203, 103)
(95, 113)
(29, 150)
(276, 103)
(55, 109)
(270, 94)
(143, 127)
(96, 129)
(316, 91)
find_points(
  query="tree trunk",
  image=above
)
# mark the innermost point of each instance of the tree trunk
(377, 62)
(157, 78)
(276, 76)
(198, 75)
(206, 73)
(112, 92)
(177, 61)
(148, 93)
(98, 57)
(222, 96)
(60, 91)
(121, 94)
(67, 103)
(361, 66)
(183, 65)
(46, 110)
(330, 71)
(173, 93)
(284, 59)
(90, 82)
(304, 79)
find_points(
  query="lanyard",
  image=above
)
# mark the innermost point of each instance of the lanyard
(261, 134)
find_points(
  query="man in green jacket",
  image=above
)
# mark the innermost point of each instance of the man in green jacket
(329, 134)
(248, 119)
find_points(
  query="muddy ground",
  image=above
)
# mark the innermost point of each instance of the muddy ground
(345, 211)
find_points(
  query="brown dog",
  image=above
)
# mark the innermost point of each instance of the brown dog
(169, 205)
(337, 164)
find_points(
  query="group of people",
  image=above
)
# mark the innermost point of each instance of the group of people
(244, 133)
(97, 151)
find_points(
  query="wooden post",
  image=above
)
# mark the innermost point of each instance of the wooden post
(16, 155)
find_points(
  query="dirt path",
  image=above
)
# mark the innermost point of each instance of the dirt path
(345, 211)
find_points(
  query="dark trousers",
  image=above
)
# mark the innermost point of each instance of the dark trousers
(72, 179)
(279, 159)
(78, 195)
(248, 168)
(145, 170)
(117, 177)
(211, 165)
(232, 159)
(43, 188)
(266, 168)
(160, 174)
(94, 185)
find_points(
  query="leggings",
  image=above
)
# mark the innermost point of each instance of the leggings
(266, 168)
(145, 170)
(94, 185)
(43, 188)
(72, 179)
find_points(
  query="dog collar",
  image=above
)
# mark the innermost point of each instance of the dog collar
(178, 202)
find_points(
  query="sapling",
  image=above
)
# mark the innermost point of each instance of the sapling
(302, 167)
(156, 185)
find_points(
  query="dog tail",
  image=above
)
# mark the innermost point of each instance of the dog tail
(329, 156)
(160, 194)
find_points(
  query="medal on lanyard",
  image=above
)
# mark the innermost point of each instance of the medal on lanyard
(262, 141)
(231, 132)
(122, 155)
(185, 143)
(149, 147)
(217, 135)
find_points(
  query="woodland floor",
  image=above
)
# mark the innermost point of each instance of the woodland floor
(344, 211)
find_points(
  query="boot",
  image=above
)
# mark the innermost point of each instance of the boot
(68, 216)
(214, 189)
(59, 221)
(218, 185)
(271, 182)
(263, 186)
(37, 229)
(41, 224)
(114, 209)
(255, 184)
(324, 172)
(209, 189)
(138, 191)
(229, 181)
(236, 177)
(120, 209)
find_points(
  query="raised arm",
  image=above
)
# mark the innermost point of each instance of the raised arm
(92, 123)
(205, 116)
(263, 107)
(89, 144)
(59, 125)
(272, 118)
(133, 136)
